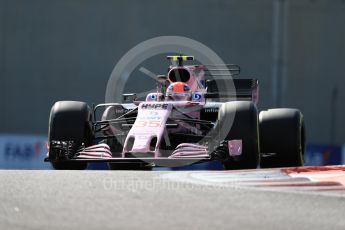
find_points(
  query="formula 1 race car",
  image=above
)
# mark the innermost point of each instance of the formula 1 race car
(190, 119)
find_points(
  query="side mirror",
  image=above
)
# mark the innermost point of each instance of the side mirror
(129, 97)
(211, 95)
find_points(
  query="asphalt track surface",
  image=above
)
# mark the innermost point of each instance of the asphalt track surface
(158, 200)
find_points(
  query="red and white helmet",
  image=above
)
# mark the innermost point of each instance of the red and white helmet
(178, 91)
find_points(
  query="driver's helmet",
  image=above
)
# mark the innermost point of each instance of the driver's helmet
(178, 91)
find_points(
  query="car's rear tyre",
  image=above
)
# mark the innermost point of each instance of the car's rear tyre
(129, 166)
(114, 143)
(70, 121)
(282, 138)
(244, 127)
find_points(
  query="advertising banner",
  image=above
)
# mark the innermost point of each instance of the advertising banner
(23, 152)
(317, 154)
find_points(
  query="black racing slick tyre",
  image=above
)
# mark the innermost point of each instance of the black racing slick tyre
(70, 121)
(129, 166)
(244, 127)
(114, 143)
(282, 138)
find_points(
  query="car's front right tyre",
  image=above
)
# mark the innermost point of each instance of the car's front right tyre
(238, 120)
(69, 121)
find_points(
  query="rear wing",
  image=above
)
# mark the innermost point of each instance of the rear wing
(221, 70)
(245, 89)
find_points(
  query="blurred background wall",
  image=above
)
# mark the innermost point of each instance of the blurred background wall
(66, 49)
